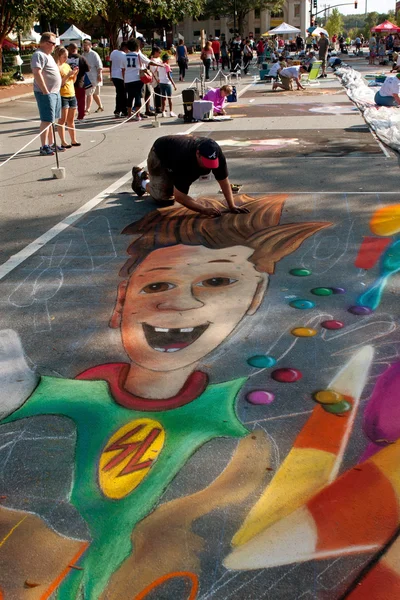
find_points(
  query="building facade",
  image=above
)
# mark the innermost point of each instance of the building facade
(294, 12)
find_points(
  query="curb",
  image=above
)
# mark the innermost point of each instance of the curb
(11, 98)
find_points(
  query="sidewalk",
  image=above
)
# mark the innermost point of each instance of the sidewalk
(17, 90)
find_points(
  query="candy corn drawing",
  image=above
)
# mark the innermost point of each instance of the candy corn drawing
(317, 453)
(357, 513)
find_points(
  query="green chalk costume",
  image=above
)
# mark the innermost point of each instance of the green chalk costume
(125, 455)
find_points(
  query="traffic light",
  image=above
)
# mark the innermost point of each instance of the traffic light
(355, 3)
(315, 3)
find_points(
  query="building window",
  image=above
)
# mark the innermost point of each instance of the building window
(276, 13)
(257, 30)
(297, 10)
(257, 13)
(217, 32)
(196, 33)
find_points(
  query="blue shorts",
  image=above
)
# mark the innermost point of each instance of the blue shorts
(49, 106)
(166, 90)
(384, 100)
(69, 102)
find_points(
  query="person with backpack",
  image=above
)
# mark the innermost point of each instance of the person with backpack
(182, 59)
(75, 60)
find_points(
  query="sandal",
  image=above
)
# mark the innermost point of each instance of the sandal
(100, 109)
(76, 144)
(66, 146)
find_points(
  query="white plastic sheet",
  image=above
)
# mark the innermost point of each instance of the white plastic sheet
(385, 121)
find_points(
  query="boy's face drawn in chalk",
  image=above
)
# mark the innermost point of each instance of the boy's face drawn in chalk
(182, 302)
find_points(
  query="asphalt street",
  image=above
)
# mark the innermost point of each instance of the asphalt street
(60, 258)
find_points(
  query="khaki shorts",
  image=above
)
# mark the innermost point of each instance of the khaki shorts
(93, 90)
(161, 186)
(286, 82)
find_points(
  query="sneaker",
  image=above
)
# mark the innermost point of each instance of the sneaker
(46, 151)
(59, 148)
(172, 114)
(137, 181)
(164, 114)
(144, 116)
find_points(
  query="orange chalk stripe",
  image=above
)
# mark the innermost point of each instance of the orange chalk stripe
(194, 580)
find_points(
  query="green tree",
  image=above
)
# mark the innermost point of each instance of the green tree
(117, 12)
(11, 13)
(371, 19)
(242, 7)
(19, 13)
(334, 23)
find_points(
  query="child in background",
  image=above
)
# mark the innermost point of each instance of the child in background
(166, 83)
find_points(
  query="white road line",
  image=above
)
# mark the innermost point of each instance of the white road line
(14, 261)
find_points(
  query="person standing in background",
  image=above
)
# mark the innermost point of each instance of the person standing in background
(68, 98)
(323, 47)
(74, 60)
(216, 46)
(372, 50)
(225, 56)
(182, 59)
(207, 56)
(247, 56)
(95, 75)
(155, 57)
(46, 86)
(117, 73)
(146, 86)
(166, 83)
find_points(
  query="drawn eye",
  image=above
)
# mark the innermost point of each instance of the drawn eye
(159, 286)
(217, 282)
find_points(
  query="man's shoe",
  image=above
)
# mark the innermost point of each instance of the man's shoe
(137, 181)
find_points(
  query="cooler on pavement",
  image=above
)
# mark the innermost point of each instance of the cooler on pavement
(188, 97)
(203, 109)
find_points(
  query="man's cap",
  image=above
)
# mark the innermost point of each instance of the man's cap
(208, 150)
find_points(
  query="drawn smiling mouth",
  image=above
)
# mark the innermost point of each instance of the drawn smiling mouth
(172, 340)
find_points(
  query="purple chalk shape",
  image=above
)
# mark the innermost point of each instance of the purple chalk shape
(260, 397)
(360, 310)
(382, 413)
(338, 290)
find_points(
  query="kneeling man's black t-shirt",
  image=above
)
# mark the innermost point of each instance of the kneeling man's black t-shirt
(177, 153)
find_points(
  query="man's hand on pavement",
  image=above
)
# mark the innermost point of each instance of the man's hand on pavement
(239, 209)
(211, 211)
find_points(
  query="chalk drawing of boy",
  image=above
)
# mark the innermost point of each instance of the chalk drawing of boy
(188, 283)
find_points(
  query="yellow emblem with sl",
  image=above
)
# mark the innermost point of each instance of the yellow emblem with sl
(128, 456)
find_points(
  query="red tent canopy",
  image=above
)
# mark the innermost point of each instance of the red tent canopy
(386, 27)
(9, 45)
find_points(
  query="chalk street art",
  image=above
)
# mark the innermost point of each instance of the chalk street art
(159, 474)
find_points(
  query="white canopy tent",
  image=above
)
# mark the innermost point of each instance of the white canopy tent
(318, 30)
(283, 29)
(27, 38)
(73, 34)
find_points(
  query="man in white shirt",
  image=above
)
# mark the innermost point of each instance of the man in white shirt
(47, 84)
(95, 75)
(389, 93)
(117, 73)
(288, 75)
(133, 62)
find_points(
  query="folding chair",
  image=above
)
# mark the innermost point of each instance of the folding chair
(313, 74)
